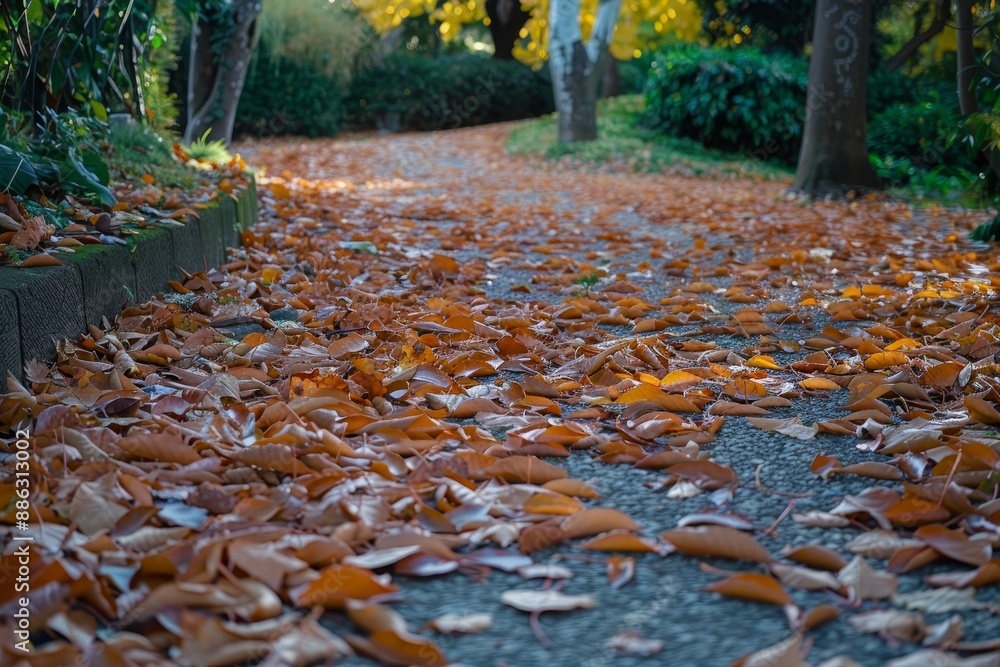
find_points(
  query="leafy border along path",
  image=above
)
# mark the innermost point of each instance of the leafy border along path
(394, 377)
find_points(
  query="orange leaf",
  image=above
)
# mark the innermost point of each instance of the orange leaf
(762, 361)
(547, 503)
(41, 259)
(719, 541)
(620, 541)
(819, 384)
(339, 583)
(980, 410)
(751, 586)
(881, 360)
(595, 521)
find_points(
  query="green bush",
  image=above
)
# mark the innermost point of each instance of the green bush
(910, 141)
(419, 93)
(302, 68)
(285, 97)
(738, 100)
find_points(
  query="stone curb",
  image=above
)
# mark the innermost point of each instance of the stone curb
(41, 306)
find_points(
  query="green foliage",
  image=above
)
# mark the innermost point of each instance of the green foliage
(302, 68)
(622, 140)
(205, 150)
(161, 58)
(418, 93)
(738, 100)
(588, 280)
(633, 74)
(921, 142)
(281, 96)
(83, 55)
(136, 150)
(988, 231)
(64, 156)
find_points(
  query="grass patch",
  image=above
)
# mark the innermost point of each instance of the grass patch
(137, 151)
(622, 140)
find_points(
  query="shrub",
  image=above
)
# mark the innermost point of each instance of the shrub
(302, 68)
(911, 140)
(419, 93)
(731, 99)
(285, 97)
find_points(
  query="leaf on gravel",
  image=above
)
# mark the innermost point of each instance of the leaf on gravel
(717, 541)
(804, 578)
(402, 649)
(617, 540)
(455, 624)
(865, 583)
(879, 544)
(630, 642)
(532, 601)
(941, 659)
(907, 626)
(815, 555)
(595, 521)
(792, 427)
(751, 586)
(817, 616)
(984, 575)
(940, 600)
(621, 570)
(955, 544)
(544, 571)
(785, 653)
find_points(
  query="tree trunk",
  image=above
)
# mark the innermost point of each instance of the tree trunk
(506, 20)
(834, 155)
(576, 67)
(968, 102)
(222, 44)
(966, 58)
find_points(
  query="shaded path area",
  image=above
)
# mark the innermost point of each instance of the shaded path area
(429, 351)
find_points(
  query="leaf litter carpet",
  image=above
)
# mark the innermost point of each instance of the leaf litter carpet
(452, 407)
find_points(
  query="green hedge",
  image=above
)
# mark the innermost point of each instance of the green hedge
(419, 93)
(738, 100)
(282, 96)
(909, 139)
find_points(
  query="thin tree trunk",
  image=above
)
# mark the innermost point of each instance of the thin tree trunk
(910, 49)
(576, 67)
(966, 58)
(215, 81)
(506, 20)
(834, 155)
(967, 100)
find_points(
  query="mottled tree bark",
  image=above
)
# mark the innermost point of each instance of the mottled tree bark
(216, 75)
(577, 67)
(834, 155)
(506, 20)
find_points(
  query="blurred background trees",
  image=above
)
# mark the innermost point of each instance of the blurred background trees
(728, 75)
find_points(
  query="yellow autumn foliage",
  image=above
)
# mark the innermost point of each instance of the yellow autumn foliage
(677, 19)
